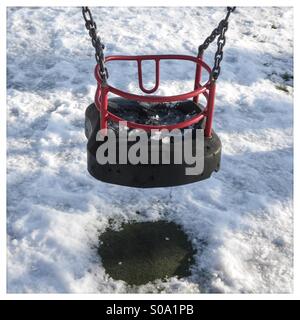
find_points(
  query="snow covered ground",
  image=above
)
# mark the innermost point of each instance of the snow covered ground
(240, 220)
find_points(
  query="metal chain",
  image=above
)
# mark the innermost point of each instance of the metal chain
(219, 31)
(91, 26)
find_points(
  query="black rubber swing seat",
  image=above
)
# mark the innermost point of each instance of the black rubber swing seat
(127, 108)
(148, 175)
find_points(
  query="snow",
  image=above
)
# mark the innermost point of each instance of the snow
(240, 220)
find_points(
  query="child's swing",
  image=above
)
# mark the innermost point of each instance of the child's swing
(108, 111)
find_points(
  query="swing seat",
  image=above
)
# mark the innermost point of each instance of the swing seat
(105, 114)
(160, 112)
(147, 175)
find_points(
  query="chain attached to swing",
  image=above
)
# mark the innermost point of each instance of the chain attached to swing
(219, 31)
(91, 26)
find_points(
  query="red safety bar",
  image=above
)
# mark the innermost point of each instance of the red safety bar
(208, 91)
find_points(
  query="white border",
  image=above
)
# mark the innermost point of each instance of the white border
(3, 295)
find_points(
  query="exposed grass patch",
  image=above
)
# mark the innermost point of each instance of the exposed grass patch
(143, 252)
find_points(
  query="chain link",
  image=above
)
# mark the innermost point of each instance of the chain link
(220, 32)
(91, 26)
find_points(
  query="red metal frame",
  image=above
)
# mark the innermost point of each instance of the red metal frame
(208, 90)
